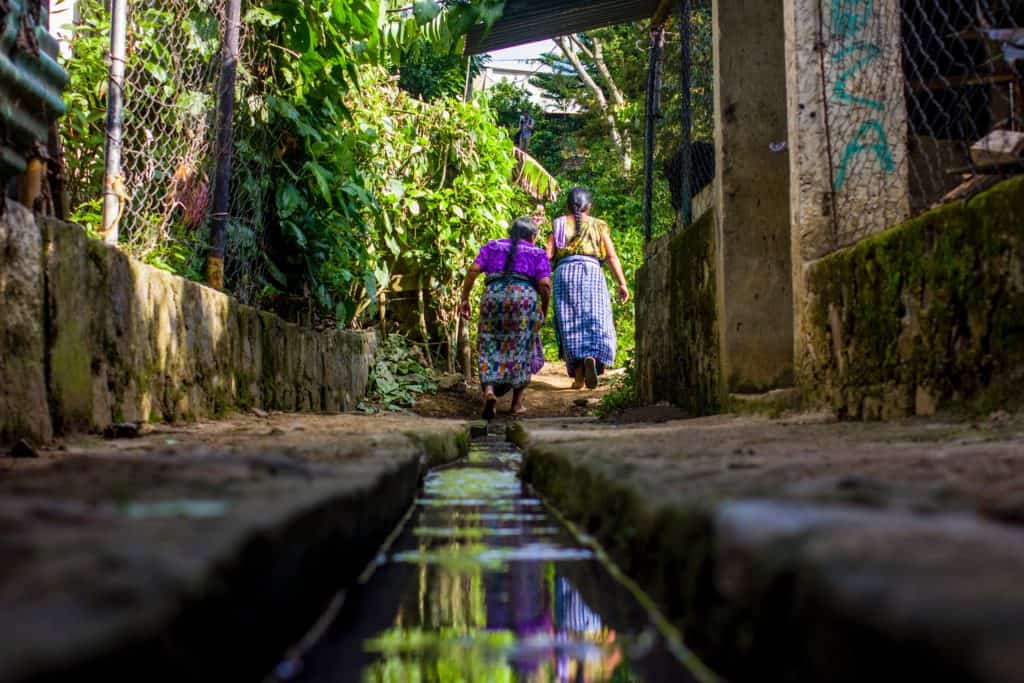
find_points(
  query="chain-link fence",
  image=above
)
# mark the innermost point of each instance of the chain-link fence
(923, 105)
(173, 55)
(678, 156)
(963, 94)
(171, 70)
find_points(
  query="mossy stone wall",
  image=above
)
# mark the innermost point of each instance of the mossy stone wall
(677, 345)
(929, 314)
(110, 339)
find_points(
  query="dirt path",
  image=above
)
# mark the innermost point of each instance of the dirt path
(550, 395)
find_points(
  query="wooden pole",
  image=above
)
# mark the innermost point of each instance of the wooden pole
(225, 147)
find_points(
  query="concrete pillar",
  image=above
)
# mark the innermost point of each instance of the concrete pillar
(847, 128)
(755, 301)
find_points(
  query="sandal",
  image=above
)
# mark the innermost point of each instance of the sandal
(590, 372)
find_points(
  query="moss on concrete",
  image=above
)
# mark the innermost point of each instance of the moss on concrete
(678, 357)
(925, 315)
(124, 341)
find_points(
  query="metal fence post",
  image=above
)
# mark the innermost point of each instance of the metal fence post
(651, 116)
(225, 147)
(686, 113)
(113, 182)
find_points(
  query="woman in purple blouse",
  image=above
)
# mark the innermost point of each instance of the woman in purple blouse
(513, 308)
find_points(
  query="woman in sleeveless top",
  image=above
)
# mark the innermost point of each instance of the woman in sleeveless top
(578, 246)
(512, 309)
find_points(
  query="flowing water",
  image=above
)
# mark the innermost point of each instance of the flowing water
(483, 585)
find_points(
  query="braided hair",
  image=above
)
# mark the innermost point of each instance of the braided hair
(578, 201)
(522, 229)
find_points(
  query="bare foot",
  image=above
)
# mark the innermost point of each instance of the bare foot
(519, 410)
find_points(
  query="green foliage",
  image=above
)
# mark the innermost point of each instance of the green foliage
(313, 214)
(398, 376)
(623, 392)
(429, 74)
(508, 101)
(442, 176)
(83, 129)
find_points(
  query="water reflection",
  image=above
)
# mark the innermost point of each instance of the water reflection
(483, 587)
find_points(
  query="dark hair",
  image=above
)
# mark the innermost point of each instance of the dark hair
(522, 229)
(578, 201)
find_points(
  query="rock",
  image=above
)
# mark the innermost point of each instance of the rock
(259, 413)
(24, 449)
(478, 428)
(123, 430)
(449, 382)
(582, 402)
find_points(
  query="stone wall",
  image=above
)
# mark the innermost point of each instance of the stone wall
(927, 314)
(89, 337)
(677, 346)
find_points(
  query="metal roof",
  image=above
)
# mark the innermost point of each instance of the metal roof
(526, 21)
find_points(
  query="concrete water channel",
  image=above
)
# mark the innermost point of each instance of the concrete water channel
(482, 583)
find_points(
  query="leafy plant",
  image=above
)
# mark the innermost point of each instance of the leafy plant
(623, 392)
(398, 376)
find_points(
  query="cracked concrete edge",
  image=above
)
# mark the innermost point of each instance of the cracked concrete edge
(254, 598)
(771, 590)
(249, 602)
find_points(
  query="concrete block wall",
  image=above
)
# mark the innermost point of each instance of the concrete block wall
(89, 337)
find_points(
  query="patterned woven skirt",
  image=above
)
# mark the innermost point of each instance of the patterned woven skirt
(583, 313)
(508, 335)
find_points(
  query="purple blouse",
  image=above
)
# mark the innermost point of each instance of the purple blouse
(530, 261)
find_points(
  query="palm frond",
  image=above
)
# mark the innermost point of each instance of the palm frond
(533, 178)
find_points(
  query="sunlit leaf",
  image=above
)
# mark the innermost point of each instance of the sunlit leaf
(425, 10)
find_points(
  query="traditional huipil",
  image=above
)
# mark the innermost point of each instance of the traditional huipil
(508, 335)
(584, 324)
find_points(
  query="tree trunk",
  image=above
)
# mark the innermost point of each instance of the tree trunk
(622, 144)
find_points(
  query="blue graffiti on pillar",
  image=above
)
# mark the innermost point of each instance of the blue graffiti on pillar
(849, 17)
(859, 144)
(842, 93)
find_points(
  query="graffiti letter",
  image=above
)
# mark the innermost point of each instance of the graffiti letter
(858, 145)
(840, 89)
(850, 16)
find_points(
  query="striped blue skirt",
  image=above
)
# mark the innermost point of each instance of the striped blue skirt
(583, 313)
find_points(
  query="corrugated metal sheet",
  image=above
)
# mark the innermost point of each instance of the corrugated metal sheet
(31, 83)
(525, 21)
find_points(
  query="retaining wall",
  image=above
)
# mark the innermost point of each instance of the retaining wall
(89, 337)
(677, 347)
(925, 315)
